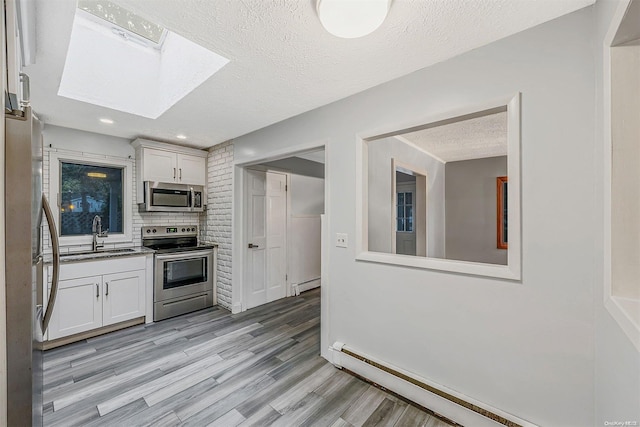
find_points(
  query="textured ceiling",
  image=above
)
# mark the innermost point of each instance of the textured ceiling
(469, 139)
(282, 61)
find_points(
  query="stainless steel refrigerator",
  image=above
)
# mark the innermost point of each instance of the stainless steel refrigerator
(26, 321)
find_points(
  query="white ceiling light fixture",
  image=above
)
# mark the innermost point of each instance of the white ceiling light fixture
(181, 136)
(107, 121)
(350, 19)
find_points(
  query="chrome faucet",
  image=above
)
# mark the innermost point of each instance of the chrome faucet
(96, 228)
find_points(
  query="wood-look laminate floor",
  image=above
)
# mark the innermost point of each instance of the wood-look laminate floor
(211, 368)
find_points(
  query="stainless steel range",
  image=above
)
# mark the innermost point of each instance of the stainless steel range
(183, 270)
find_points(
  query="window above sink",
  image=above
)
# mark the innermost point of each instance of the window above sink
(83, 186)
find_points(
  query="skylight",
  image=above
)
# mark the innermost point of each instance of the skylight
(119, 60)
(127, 22)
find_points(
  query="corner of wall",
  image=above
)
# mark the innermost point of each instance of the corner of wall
(216, 225)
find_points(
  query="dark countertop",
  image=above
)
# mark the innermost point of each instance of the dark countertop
(101, 254)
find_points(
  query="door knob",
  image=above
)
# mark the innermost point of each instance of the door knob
(251, 245)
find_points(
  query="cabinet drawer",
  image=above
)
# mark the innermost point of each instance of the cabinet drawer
(100, 267)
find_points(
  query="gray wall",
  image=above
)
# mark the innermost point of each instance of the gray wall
(470, 200)
(380, 210)
(298, 166)
(527, 348)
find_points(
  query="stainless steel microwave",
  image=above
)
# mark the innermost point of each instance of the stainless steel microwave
(167, 197)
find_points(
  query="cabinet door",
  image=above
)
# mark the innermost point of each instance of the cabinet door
(159, 165)
(78, 307)
(192, 169)
(123, 296)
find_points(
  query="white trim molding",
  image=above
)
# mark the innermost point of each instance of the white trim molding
(58, 156)
(513, 269)
(625, 311)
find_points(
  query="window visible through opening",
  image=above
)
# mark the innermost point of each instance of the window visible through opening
(405, 212)
(86, 191)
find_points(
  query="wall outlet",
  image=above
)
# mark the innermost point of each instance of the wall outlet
(342, 240)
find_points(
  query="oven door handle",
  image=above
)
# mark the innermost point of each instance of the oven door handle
(184, 255)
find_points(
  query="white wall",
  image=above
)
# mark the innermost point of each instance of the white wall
(526, 348)
(470, 208)
(307, 204)
(380, 211)
(617, 362)
(625, 191)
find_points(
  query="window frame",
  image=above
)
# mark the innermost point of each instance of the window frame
(513, 270)
(56, 158)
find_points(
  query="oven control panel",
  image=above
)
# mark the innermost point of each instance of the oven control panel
(169, 231)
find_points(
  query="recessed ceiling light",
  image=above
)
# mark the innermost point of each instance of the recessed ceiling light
(181, 136)
(107, 121)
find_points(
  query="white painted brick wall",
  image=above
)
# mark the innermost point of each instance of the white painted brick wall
(216, 225)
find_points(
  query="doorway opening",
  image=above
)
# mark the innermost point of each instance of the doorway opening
(283, 209)
(409, 187)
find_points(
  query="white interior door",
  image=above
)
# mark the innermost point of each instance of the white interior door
(256, 265)
(266, 237)
(276, 236)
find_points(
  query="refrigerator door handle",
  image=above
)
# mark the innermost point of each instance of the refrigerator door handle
(55, 246)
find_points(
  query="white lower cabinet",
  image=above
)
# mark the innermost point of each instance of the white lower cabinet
(78, 307)
(123, 297)
(91, 302)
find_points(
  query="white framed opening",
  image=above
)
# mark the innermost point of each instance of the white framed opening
(621, 86)
(239, 232)
(509, 107)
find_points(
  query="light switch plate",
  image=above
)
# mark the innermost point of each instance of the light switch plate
(342, 240)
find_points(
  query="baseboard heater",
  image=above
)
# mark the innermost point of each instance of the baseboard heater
(299, 288)
(438, 399)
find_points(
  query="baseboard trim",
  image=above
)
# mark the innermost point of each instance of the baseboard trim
(437, 398)
(299, 288)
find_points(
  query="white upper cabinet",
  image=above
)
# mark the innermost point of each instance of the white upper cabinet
(192, 169)
(161, 162)
(159, 165)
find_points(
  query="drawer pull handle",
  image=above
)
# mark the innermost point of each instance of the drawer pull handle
(107, 291)
(97, 290)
